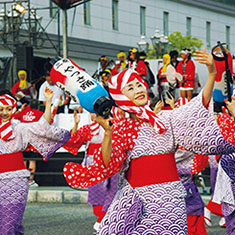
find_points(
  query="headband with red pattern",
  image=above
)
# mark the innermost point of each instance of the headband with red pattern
(5, 127)
(116, 83)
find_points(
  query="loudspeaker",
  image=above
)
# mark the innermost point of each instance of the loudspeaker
(24, 58)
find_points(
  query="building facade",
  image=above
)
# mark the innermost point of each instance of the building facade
(103, 27)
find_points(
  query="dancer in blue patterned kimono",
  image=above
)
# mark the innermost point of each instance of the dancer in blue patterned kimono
(150, 199)
(100, 195)
(224, 191)
(14, 139)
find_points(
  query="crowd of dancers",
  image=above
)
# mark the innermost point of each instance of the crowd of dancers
(139, 162)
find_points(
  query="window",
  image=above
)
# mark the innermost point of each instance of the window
(53, 9)
(188, 26)
(142, 21)
(208, 35)
(165, 23)
(228, 36)
(115, 14)
(87, 13)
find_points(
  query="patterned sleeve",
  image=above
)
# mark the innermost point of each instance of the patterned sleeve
(44, 138)
(227, 162)
(227, 127)
(195, 129)
(81, 136)
(226, 124)
(124, 134)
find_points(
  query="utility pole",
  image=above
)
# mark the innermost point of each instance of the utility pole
(65, 33)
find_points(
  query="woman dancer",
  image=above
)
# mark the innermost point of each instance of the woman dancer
(100, 195)
(14, 138)
(186, 68)
(151, 197)
(224, 191)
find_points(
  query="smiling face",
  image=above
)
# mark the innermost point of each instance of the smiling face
(6, 112)
(136, 92)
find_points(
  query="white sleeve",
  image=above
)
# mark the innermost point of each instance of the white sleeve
(170, 74)
(41, 93)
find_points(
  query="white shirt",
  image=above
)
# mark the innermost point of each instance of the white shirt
(171, 74)
(56, 90)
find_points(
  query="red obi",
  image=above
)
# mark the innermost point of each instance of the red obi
(152, 169)
(92, 147)
(11, 162)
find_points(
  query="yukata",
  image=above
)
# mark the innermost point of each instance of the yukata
(14, 177)
(185, 162)
(215, 208)
(224, 192)
(151, 197)
(100, 194)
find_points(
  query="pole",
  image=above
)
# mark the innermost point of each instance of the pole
(65, 33)
(58, 34)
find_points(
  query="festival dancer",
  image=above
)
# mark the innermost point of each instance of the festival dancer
(213, 207)
(151, 195)
(100, 195)
(121, 65)
(188, 164)
(14, 138)
(224, 192)
(186, 68)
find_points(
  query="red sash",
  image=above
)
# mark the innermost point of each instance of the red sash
(92, 147)
(11, 162)
(153, 169)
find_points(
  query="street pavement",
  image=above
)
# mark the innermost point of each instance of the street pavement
(71, 219)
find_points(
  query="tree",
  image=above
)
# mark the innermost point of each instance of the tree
(178, 42)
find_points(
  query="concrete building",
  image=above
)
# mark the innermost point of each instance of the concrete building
(103, 27)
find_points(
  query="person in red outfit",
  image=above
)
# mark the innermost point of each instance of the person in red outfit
(23, 86)
(186, 68)
(121, 65)
(137, 64)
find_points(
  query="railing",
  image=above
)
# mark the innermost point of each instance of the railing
(54, 176)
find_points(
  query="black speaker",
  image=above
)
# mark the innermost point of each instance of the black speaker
(24, 58)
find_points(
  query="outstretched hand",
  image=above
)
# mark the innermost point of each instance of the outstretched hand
(158, 106)
(231, 106)
(76, 117)
(206, 58)
(171, 102)
(48, 94)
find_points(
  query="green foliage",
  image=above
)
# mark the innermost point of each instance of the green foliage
(178, 42)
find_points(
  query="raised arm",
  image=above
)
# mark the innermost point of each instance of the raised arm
(48, 96)
(206, 58)
(107, 142)
(76, 122)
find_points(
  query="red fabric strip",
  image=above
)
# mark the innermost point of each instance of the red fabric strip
(152, 169)
(11, 162)
(92, 148)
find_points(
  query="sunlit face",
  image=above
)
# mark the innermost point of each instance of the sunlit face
(6, 112)
(136, 92)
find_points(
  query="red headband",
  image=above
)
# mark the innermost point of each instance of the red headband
(116, 84)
